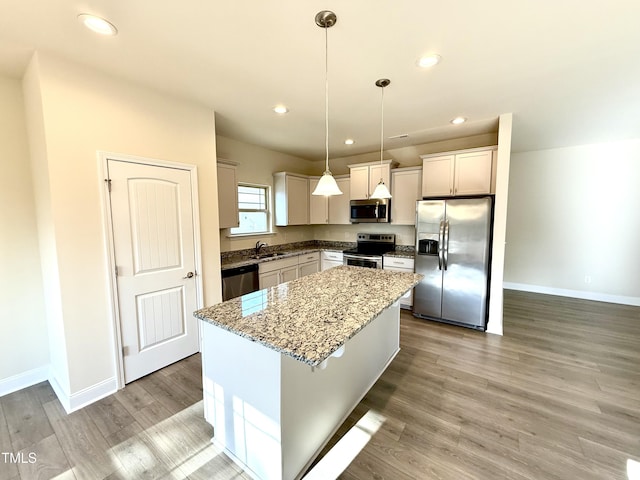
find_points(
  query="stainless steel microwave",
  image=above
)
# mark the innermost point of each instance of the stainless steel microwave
(370, 211)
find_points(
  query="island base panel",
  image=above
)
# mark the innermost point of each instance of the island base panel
(273, 414)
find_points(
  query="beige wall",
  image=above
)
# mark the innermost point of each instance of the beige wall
(80, 112)
(573, 215)
(23, 330)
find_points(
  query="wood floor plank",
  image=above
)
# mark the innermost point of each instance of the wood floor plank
(134, 397)
(555, 460)
(8, 470)
(49, 461)
(26, 420)
(138, 454)
(82, 443)
(109, 415)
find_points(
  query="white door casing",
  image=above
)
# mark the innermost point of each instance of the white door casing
(154, 243)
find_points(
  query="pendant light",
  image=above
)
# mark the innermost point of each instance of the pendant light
(381, 191)
(327, 184)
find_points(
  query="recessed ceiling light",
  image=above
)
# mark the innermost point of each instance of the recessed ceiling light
(349, 141)
(458, 120)
(429, 60)
(97, 24)
(281, 109)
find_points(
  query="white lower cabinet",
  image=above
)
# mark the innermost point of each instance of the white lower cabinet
(308, 264)
(401, 264)
(275, 272)
(331, 259)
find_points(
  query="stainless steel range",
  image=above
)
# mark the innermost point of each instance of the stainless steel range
(369, 250)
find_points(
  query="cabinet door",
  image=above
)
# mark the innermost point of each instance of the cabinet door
(401, 265)
(297, 200)
(308, 268)
(269, 279)
(406, 189)
(359, 183)
(377, 172)
(289, 273)
(318, 204)
(473, 173)
(227, 196)
(339, 204)
(437, 176)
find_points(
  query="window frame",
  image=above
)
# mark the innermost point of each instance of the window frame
(267, 210)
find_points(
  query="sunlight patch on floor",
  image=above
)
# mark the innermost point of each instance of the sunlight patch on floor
(347, 449)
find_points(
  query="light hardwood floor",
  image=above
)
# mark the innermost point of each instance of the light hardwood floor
(557, 397)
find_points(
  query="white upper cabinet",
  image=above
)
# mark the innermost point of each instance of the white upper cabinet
(437, 176)
(291, 199)
(365, 177)
(459, 173)
(318, 204)
(473, 173)
(332, 210)
(359, 184)
(339, 204)
(227, 195)
(406, 189)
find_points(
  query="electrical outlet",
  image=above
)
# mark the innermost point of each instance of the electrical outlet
(587, 279)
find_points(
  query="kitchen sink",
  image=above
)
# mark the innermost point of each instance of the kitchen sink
(267, 255)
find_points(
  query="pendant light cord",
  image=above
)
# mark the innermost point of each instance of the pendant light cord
(326, 97)
(381, 125)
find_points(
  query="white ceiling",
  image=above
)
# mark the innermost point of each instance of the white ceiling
(568, 71)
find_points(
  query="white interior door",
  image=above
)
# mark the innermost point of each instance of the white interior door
(154, 243)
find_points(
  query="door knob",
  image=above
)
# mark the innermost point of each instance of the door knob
(188, 275)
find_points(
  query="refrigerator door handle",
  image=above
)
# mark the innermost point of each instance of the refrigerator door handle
(440, 245)
(446, 245)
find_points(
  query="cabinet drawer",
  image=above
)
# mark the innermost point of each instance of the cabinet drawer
(332, 256)
(272, 265)
(398, 262)
(309, 257)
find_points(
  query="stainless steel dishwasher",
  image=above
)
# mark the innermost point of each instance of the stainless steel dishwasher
(238, 281)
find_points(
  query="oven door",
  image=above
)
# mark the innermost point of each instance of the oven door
(367, 261)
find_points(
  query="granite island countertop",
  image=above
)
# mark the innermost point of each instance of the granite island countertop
(312, 317)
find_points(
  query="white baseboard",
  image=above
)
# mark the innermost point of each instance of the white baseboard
(72, 402)
(596, 296)
(84, 397)
(23, 380)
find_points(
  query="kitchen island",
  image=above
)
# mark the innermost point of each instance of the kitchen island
(283, 367)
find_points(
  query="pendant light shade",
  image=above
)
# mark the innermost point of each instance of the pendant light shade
(381, 191)
(327, 185)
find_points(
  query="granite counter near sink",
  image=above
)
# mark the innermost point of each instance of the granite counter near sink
(240, 258)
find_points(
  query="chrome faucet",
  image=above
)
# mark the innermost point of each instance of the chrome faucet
(259, 245)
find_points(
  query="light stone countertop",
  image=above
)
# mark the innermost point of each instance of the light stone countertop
(312, 317)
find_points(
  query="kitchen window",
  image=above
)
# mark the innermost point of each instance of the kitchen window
(253, 210)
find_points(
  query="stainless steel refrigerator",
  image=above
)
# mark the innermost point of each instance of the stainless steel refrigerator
(453, 252)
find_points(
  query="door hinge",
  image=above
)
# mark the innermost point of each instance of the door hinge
(108, 182)
(116, 269)
(125, 351)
